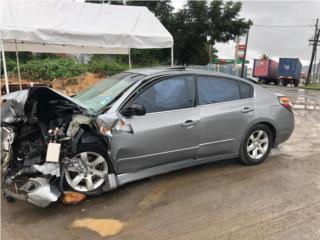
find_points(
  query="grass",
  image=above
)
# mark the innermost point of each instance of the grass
(313, 86)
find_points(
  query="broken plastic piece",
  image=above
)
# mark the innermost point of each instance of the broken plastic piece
(40, 192)
(49, 168)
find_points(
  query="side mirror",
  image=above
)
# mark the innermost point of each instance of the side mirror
(133, 109)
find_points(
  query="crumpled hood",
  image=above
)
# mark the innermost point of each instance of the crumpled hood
(13, 109)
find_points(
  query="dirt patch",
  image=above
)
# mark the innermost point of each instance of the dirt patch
(67, 86)
(104, 227)
(156, 194)
(72, 86)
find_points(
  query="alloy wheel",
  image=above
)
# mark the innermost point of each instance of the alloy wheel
(90, 179)
(258, 144)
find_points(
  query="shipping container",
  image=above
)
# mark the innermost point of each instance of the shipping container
(266, 70)
(289, 71)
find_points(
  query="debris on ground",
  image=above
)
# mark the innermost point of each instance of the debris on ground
(72, 198)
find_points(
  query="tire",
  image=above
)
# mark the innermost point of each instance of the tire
(285, 83)
(295, 83)
(251, 143)
(89, 153)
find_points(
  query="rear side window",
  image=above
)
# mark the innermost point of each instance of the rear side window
(246, 91)
(169, 94)
(216, 90)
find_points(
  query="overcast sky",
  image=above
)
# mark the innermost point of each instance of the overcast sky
(275, 41)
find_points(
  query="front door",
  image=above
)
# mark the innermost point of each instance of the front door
(167, 133)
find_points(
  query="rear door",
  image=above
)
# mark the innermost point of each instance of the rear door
(167, 133)
(226, 108)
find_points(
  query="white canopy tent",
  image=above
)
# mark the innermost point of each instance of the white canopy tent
(76, 27)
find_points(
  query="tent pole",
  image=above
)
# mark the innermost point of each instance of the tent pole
(172, 59)
(18, 64)
(5, 67)
(130, 65)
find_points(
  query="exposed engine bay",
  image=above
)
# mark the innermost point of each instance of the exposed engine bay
(40, 131)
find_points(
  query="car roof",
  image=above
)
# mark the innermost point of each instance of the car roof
(159, 71)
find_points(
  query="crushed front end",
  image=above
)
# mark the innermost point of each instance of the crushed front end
(39, 133)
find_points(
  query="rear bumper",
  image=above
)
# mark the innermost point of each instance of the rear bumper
(285, 122)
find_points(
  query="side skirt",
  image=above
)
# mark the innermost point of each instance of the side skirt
(130, 177)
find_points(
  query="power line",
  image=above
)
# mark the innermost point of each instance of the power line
(284, 20)
(279, 26)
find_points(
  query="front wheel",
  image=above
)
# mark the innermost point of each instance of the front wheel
(256, 145)
(89, 169)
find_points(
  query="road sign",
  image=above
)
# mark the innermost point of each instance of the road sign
(242, 47)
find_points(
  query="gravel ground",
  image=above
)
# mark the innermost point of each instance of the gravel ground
(279, 199)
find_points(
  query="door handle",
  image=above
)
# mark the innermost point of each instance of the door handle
(247, 110)
(189, 123)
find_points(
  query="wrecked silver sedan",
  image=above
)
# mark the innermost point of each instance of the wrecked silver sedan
(131, 126)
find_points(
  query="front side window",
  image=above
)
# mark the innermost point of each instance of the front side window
(216, 90)
(169, 94)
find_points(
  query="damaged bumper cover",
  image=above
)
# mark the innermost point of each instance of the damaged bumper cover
(37, 191)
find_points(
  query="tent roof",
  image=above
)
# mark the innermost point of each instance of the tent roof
(76, 27)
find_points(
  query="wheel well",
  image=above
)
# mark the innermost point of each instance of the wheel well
(272, 129)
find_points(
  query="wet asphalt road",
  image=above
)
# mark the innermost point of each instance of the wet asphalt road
(279, 199)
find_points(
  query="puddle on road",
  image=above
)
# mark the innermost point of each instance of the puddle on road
(104, 227)
(305, 106)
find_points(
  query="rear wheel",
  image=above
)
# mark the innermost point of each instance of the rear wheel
(256, 145)
(296, 83)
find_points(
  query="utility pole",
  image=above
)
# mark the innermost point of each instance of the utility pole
(235, 66)
(245, 54)
(314, 64)
(318, 71)
(314, 47)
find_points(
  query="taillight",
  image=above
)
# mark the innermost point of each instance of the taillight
(284, 101)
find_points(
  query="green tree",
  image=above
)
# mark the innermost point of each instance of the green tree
(224, 21)
(197, 20)
(190, 26)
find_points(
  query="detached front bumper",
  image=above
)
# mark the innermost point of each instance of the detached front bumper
(37, 191)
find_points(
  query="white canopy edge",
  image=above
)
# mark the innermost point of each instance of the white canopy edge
(56, 48)
(79, 26)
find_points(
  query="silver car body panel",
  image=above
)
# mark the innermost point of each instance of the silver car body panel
(221, 126)
(134, 176)
(159, 144)
(157, 139)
